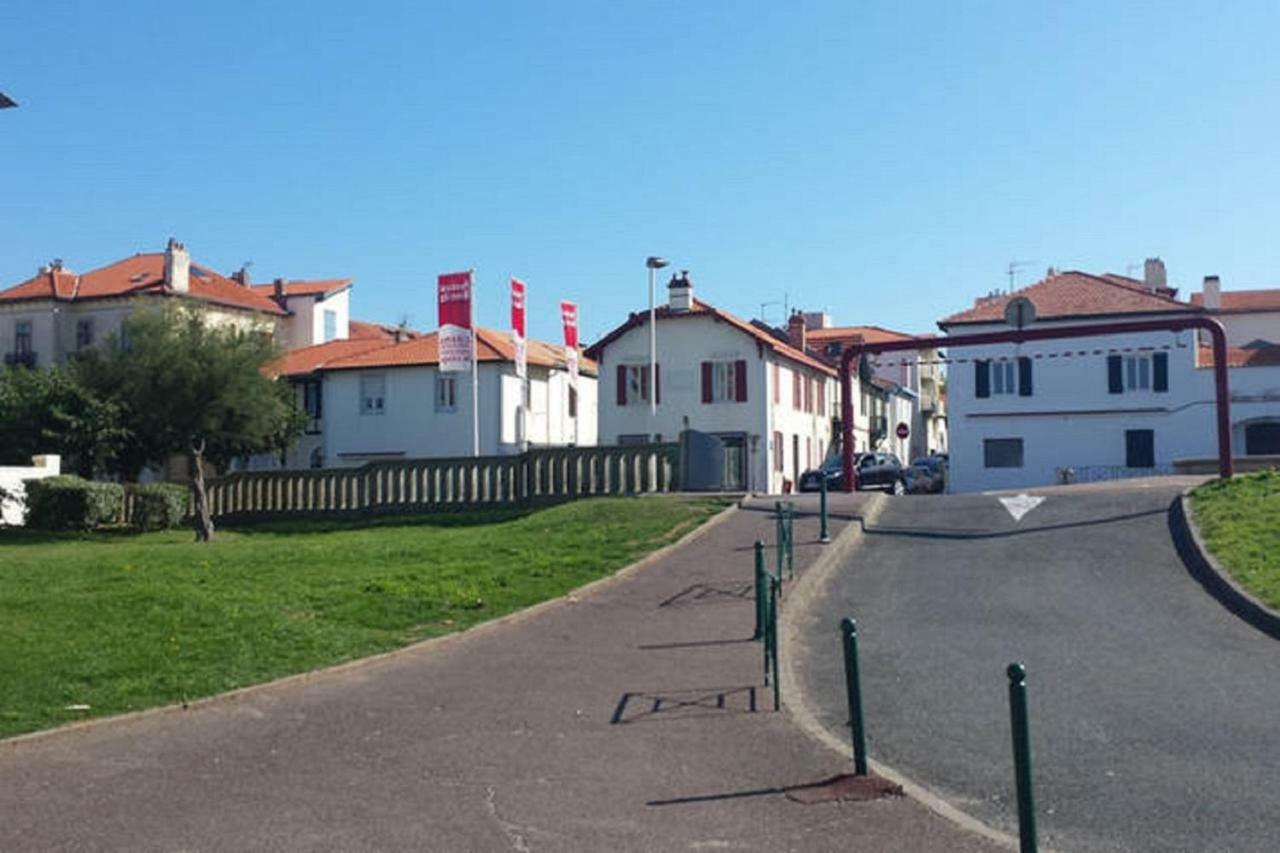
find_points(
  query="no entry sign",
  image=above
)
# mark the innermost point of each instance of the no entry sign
(903, 430)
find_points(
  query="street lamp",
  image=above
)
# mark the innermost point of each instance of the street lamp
(653, 264)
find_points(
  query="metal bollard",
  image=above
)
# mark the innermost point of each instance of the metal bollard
(760, 593)
(853, 691)
(823, 536)
(1022, 757)
(780, 537)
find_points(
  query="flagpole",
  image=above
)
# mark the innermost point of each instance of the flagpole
(475, 375)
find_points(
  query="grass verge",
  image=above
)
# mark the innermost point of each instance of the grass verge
(119, 622)
(1239, 520)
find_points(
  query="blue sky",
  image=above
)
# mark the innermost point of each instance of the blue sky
(884, 162)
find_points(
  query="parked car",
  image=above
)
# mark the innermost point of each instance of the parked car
(832, 469)
(927, 475)
(881, 471)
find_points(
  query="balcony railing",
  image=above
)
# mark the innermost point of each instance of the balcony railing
(25, 359)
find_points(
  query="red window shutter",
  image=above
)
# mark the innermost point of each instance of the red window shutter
(622, 384)
(822, 400)
(777, 383)
(706, 382)
(740, 380)
(795, 390)
(657, 383)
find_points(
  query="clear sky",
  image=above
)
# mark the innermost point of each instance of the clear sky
(884, 161)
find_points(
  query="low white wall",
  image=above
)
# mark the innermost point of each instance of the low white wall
(11, 481)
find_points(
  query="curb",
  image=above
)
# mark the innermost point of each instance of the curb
(808, 585)
(1210, 574)
(572, 597)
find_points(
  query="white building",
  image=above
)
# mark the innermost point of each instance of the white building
(380, 395)
(771, 404)
(1097, 407)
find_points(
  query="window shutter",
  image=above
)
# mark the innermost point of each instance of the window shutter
(1160, 371)
(706, 382)
(982, 378)
(1115, 374)
(657, 383)
(644, 382)
(777, 383)
(1024, 376)
(740, 380)
(622, 384)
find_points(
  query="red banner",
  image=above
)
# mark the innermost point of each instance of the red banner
(453, 295)
(569, 316)
(517, 307)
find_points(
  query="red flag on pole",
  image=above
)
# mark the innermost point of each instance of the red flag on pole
(453, 293)
(569, 317)
(517, 326)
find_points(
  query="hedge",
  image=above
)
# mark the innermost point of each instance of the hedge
(159, 506)
(71, 503)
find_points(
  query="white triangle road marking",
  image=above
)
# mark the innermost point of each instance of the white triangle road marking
(1020, 505)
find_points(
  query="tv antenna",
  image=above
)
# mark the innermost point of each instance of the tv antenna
(1013, 268)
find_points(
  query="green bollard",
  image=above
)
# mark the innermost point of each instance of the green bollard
(791, 541)
(760, 593)
(775, 588)
(780, 537)
(823, 536)
(1022, 757)
(853, 690)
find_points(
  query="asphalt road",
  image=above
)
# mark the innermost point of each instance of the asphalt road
(1154, 710)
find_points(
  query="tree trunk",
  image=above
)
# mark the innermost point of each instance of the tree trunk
(201, 520)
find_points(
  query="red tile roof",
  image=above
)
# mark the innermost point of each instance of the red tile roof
(422, 349)
(849, 334)
(703, 309)
(362, 329)
(1244, 300)
(1076, 294)
(300, 287)
(1267, 355)
(140, 274)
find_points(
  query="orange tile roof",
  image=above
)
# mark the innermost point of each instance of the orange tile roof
(1075, 294)
(423, 349)
(301, 287)
(140, 274)
(364, 329)
(703, 309)
(1245, 300)
(1266, 355)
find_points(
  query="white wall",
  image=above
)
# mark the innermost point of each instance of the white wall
(305, 325)
(11, 481)
(1246, 328)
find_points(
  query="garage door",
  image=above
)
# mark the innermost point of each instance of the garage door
(1262, 439)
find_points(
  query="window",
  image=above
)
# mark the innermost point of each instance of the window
(834, 348)
(808, 394)
(317, 457)
(446, 393)
(1002, 453)
(1002, 378)
(808, 452)
(724, 381)
(311, 400)
(372, 394)
(777, 383)
(22, 337)
(573, 402)
(1141, 372)
(1139, 448)
(797, 395)
(778, 461)
(84, 333)
(330, 324)
(633, 385)
(822, 397)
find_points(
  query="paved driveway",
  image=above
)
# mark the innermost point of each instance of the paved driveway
(1154, 710)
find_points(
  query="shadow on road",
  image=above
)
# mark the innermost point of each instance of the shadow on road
(917, 533)
(637, 707)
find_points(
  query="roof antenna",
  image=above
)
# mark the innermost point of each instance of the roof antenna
(1013, 268)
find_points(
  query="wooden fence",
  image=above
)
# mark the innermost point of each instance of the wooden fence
(537, 476)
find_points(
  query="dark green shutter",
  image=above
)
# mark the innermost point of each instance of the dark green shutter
(1115, 374)
(1160, 371)
(982, 378)
(1024, 376)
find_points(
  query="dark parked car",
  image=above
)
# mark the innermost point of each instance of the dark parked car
(832, 469)
(875, 471)
(927, 475)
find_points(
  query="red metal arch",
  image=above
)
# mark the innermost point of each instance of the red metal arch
(1017, 336)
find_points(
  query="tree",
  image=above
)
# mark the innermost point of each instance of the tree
(46, 410)
(188, 386)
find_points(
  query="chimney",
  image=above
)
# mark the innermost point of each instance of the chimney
(796, 330)
(1153, 275)
(680, 292)
(278, 292)
(177, 267)
(1212, 293)
(241, 276)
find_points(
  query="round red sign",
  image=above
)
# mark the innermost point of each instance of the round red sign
(903, 430)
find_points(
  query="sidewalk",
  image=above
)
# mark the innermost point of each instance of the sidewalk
(631, 717)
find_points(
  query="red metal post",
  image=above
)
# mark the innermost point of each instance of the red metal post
(1173, 324)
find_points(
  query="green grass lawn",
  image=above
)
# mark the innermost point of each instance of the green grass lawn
(1240, 522)
(120, 622)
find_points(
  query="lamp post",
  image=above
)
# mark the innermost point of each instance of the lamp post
(653, 263)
